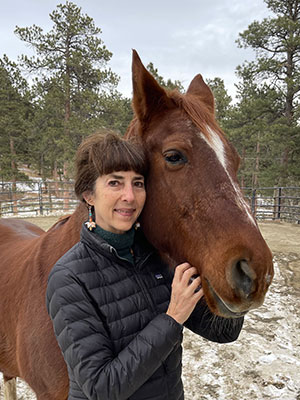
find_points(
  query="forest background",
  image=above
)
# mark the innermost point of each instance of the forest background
(50, 101)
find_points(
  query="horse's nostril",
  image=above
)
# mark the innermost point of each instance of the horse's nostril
(242, 278)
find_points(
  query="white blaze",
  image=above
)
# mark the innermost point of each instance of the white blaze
(217, 145)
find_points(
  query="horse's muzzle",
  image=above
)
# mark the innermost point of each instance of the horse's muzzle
(224, 309)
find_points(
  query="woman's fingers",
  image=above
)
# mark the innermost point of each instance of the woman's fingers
(180, 270)
(195, 283)
(186, 292)
(185, 275)
(188, 274)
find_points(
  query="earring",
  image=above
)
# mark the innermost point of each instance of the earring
(91, 225)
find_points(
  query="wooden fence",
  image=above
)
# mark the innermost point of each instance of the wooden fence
(50, 198)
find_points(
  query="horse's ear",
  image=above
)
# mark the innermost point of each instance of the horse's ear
(148, 97)
(199, 88)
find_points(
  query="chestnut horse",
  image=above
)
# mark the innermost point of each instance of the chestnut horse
(195, 212)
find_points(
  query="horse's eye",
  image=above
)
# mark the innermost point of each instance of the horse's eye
(174, 157)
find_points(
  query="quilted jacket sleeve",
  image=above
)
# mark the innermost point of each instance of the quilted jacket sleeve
(87, 348)
(216, 329)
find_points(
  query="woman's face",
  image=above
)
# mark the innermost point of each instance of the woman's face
(118, 199)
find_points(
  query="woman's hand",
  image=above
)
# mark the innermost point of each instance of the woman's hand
(185, 293)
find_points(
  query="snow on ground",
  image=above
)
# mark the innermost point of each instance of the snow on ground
(264, 363)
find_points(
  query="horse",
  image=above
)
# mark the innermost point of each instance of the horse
(195, 211)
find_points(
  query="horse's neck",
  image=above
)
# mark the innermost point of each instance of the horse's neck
(68, 230)
(62, 236)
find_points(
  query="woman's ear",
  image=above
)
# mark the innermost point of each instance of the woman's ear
(88, 197)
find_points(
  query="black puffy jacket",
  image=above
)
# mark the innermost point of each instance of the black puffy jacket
(110, 323)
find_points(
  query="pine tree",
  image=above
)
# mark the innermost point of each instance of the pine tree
(252, 125)
(73, 56)
(222, 99)
(15, 115)
(276, 41)
(47, 140)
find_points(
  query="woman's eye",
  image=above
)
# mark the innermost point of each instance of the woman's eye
(174, 157)
(113, 183)
(139, 184)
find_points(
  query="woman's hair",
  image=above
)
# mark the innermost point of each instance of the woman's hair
(101, 154)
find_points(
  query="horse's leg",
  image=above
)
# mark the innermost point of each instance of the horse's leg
(10, 388)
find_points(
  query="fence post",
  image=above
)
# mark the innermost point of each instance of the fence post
(275, 211)
(66, 196)
(50, 197)
(279, 203)
(40, 198)
(14, 199)
(253, 202)
(11, 200)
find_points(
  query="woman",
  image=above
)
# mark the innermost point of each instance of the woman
(117, 312)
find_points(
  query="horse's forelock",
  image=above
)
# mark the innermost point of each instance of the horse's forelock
(197, 111)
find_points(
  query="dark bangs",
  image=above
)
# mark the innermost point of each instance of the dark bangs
(117, 154)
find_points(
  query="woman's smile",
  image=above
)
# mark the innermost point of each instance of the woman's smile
(125, 212)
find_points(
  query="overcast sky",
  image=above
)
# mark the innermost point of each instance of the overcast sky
(181, 37)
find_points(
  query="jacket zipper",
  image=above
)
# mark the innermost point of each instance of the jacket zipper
(150, 302)
(145, 292)
(141, 284)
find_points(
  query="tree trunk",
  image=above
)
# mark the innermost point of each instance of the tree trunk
(56, 179)
(290, 93)
(67, 109)
(256, 171)
(14, 174)
(242, 167)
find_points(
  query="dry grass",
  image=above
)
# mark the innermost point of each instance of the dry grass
(43, 222)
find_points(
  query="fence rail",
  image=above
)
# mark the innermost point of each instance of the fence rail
(274, 203)
(36, 198)
(32, 198)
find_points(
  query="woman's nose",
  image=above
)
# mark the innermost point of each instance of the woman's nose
(128, 194)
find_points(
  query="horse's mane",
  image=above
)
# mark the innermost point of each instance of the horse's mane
(194, 106)
(61, 221)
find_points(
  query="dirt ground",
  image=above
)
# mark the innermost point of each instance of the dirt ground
(264, 363)
(281, 236)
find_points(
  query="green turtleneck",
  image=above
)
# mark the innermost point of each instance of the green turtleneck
(121, 242)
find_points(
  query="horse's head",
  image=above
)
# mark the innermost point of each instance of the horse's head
(195, 210)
